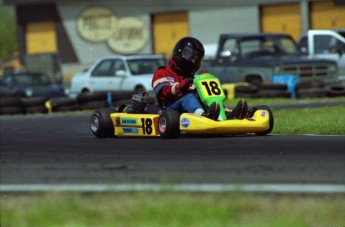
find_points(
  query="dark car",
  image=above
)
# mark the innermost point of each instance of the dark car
(260, 57)
(30, 85)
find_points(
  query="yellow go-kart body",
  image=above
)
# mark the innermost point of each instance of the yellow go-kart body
(126, 124)
(170, 124)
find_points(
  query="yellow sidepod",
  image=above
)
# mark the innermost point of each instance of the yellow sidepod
(126, 124)
(197, 125)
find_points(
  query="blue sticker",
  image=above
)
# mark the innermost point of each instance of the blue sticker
(185, 122)
(130, 130)
(128, 121)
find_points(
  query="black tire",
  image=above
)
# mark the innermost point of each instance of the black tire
(309, 84)
(271, 119)
(66, 108)
(120, 95)
(273, 86)
(90, 97)
(10, 101)
(250, 91)
(246, 89)
(169, 124)
(10, 110)
(33, 101)
(94, 105)
(101, 124)
(62, 101)
(246, 95)
(312, 93)
(35, 109)
(253, 79)
(274, 93)
(335, 90)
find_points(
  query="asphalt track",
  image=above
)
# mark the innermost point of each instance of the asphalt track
(59, 149)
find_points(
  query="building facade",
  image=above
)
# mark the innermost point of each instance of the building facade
(80, 31)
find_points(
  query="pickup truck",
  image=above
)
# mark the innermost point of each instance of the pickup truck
(326, 44)
(256, 58)
(117, 73)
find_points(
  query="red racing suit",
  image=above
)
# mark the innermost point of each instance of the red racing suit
(167, 84)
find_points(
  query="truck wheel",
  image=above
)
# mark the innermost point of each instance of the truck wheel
(169, 124)
(101, 124)
(253, 79)
(271, 119)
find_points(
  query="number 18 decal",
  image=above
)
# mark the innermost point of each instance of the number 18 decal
(211, 88)
(146, 125)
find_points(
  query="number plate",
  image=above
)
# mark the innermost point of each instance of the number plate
(211, 88)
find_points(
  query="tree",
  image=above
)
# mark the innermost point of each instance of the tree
(8, 34)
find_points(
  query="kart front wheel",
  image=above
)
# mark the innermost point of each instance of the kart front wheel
(271, 119)
(101, 124)
(169, 124)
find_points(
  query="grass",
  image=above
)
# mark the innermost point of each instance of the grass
(171, 209)
(325, 121)
(328, 120)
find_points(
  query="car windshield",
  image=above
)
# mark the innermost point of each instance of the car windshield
(33, 79)
(145, 66)
(254, 47)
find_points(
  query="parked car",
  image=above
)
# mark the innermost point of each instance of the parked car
(118, 73)
(258, 57)
(30, 84)
(326, 44)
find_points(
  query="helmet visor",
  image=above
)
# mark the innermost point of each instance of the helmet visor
(193, 56)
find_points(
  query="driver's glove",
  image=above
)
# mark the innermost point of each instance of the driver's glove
(186, 83)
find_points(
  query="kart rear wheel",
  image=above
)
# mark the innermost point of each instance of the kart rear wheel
(101, 124)
(169, 124)
(271, 119)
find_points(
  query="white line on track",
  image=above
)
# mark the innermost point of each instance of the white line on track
(277, 188)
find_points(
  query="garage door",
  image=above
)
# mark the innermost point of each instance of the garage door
(40, 37)
(168, 28)
(284, 18)
(326, 15)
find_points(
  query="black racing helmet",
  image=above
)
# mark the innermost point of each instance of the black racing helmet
(188, 55)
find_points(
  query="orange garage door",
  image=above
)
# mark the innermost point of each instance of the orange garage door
(168, 28)
(326, 15)
(284, 18)
(40, 37)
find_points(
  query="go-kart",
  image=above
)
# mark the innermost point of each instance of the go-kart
(143, 117)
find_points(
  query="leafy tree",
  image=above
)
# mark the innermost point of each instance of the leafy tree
(8, 35)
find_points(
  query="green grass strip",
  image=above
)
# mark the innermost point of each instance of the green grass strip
(325, 121)
(171, 209)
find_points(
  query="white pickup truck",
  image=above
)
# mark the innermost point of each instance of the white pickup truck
(117, 73)
(326, 44)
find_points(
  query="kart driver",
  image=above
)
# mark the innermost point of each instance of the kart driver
(173, 84)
